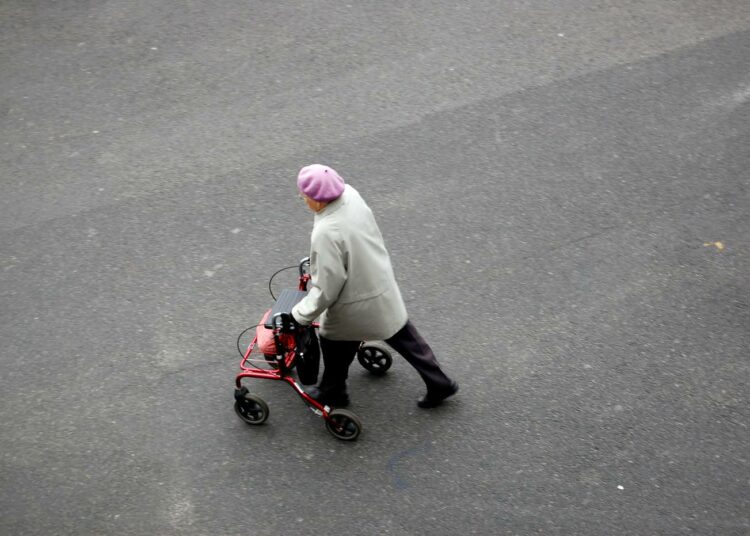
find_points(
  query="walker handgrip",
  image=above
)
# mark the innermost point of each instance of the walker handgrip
(302, 263)
(283, 321)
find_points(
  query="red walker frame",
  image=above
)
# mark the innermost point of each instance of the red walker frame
(343, 424)
(249, 370)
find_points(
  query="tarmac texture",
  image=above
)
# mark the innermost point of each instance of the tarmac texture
(563, 188)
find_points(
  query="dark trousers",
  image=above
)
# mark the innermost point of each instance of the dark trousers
(338, 355)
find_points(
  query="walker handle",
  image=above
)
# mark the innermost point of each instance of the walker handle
(304, 262)
(283, 322)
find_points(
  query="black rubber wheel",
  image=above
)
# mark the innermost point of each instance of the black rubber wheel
(343, 425)
(251, 409)
(375, 359)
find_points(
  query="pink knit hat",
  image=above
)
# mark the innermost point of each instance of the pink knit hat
(320, 183)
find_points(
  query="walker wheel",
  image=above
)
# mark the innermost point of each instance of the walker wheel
(251, 409)
(375, 359)
(343, 425)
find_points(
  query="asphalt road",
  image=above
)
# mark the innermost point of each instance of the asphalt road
(563, 187)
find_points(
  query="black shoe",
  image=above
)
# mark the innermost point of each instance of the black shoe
(435, 398)
(335, 399)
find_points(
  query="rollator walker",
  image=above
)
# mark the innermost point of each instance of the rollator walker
(283, 350)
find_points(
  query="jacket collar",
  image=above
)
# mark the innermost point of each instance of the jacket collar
(334, 205)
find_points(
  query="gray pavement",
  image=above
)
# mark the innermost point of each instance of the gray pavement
(563, 187)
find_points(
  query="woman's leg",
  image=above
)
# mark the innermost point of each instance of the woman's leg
(337, 357)
(412, 346)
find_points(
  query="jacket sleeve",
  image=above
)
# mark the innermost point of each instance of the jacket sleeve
(328, 271)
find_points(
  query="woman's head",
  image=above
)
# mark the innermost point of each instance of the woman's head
(320, 183)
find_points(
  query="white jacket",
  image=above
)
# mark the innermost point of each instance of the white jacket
(353, 289)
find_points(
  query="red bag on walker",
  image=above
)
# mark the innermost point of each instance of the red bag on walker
(307, 356)
(264, 338)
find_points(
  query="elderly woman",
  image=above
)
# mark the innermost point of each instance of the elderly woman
(354, 291)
